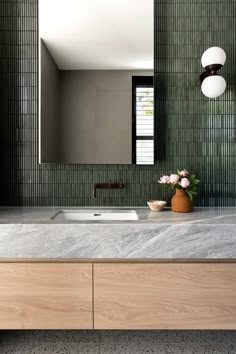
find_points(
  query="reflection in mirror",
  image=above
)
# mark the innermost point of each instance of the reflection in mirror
(96, 81)
(143, 120)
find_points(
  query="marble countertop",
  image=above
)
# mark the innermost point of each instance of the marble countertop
(43, 215)
(205, 233)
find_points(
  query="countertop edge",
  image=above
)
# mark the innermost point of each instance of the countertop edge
(117, 260)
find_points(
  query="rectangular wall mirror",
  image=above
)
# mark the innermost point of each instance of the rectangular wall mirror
(96, 81)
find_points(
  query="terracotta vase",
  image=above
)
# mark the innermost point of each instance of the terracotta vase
(180, 202)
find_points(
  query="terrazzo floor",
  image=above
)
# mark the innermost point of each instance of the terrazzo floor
(117, 342)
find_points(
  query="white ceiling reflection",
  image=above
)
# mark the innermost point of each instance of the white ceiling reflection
(98, 34)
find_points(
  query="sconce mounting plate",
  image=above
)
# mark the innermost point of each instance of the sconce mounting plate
(210, 71)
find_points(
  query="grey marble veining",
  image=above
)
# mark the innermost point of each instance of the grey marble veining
(206, 233)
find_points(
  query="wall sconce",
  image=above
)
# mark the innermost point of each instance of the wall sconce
(213, 85)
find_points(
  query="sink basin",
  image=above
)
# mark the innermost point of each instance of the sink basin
(95, 215)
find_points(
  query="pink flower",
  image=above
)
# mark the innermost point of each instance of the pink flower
(174, 179)
(164, 179)
(184, 173)
(185, 183)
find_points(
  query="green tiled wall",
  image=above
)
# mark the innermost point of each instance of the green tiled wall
(192, 131)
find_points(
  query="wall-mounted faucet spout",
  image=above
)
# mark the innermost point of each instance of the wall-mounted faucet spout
(107, 186)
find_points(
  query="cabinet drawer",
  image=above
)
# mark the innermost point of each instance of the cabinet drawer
(165, 296)
(45, 296)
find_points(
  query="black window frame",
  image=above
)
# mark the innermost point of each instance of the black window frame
(140, 81)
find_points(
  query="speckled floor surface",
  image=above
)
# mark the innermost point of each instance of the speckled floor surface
(117, 342)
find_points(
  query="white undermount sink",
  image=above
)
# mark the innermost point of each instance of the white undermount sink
(95, 215)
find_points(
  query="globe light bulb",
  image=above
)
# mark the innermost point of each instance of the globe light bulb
(213, 55)
(213, 86)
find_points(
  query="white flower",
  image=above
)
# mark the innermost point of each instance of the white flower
(164, 179)
(174, 179)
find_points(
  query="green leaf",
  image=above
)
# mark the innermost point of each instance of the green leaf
(192, 178)
(189, 194)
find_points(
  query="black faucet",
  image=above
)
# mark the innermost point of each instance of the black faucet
(107, 186)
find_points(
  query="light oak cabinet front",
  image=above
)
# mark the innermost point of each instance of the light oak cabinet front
(165, 296)
(118, 296)
(45, 296)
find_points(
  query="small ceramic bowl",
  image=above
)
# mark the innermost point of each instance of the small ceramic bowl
(156, 205)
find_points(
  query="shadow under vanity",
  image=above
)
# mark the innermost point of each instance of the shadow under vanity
(162, 271)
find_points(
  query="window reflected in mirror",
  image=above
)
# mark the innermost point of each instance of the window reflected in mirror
(143, 120)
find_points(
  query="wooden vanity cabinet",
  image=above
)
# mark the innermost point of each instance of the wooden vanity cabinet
(45, 296)
(73, 295)
(165, 296)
